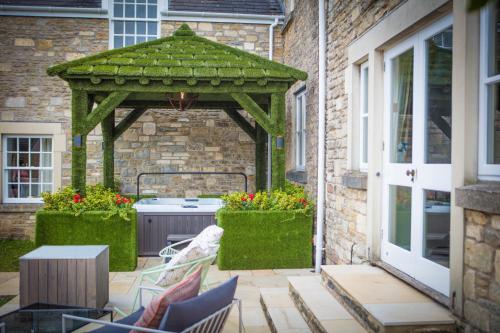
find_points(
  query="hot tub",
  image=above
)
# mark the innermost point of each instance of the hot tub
(171, 219)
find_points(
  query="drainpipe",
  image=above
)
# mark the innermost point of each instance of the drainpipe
(269, 141)
(320, 213)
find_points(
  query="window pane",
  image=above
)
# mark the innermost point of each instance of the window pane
(12, 144)
(365, 140)
(494, 42)
(24, 144)
(47, 145)
(35, 176)
(118, 42)
(364, 91)
(151, 11)
(24, 160)
(402, 108)
(141, 28)
(118, 10)
(35, 190)
(438, 85)
(141, 39)
(141, 11)
(47, 176)
(47, 188)
(24, 176)
(493, 131)
(130, 27)
(12, 159)
(13, 190)
(35, 160)
(24, 191)
(129, 40)
(118, 27)
(151, 38)
(400, 216)
(437, 227)
(152, 28)
(35, 144)
(129, 11)
(13, 176)
(46, 160)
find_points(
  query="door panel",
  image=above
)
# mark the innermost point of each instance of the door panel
(417, 169)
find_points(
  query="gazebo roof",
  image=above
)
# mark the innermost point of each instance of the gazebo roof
(180, 57)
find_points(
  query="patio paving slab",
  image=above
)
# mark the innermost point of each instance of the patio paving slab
(280, 311)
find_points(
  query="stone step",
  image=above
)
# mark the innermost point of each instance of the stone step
(280, 312)
(322, 312)
(383, 303)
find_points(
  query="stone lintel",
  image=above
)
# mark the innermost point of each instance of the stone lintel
(484, 197)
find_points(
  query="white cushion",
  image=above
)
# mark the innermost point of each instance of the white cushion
(211, 235)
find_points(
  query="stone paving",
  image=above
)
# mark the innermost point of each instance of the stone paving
(123, 286)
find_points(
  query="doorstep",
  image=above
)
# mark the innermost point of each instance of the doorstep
(383, 303)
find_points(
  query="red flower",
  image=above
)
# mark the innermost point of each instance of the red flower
(77, 198)
(251, 196)
(243, 198)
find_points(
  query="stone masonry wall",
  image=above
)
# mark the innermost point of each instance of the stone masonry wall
(345, 207)
(300, 41)
(159, 141)
(482, 272)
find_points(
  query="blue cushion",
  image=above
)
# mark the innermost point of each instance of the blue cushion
(181, 315)
(129, 320)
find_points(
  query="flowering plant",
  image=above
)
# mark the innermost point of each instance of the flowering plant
(98, 198)
(275, 200)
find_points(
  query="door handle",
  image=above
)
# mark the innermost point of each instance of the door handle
(411, 173)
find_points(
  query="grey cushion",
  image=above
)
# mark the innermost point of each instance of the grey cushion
(129, 320)
(181, 315)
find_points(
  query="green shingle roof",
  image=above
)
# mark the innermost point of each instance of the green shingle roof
(182, 56)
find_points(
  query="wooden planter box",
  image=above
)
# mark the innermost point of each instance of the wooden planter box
(265, 239)
(91, 228)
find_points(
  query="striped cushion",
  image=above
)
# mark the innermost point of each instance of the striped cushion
(184, 290)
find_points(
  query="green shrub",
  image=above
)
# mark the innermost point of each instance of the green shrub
(97, 198)
(91, 228)
(265, 239)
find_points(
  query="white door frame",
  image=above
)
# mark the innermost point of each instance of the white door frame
(429, 176)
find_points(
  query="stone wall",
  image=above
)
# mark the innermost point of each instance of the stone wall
(160, 140)
(482, 271)
(345, 206)
(300, 40)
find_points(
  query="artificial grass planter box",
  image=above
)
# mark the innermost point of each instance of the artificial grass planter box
(92, 228)
(265, 239)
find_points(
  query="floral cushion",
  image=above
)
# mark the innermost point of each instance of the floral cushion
(184, 290)
(210, 235)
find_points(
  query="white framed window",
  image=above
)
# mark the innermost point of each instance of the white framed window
(489, 94)
(134, 21)
(27, 168)
(300, 130)
(363, 117)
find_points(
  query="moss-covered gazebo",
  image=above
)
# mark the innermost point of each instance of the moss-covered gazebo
(140, 76)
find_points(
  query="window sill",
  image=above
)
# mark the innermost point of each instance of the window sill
(355, 179)
(484, 197)
(19, 207)
(297, 176)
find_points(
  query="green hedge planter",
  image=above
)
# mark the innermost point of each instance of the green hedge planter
(91, 228)
(265, 239)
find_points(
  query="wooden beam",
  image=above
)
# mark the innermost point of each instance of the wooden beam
(107, 106)
(107, 126)
(242, 123)
(255, 110)
(80, 104)
(126, 122)
(200, 105)
(260, 158)
(278, 141)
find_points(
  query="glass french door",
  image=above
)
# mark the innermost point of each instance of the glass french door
(417, 156)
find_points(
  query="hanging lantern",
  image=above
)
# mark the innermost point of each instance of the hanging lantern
(182, 101)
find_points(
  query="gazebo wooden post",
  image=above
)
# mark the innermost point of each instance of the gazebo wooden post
(260, 158)
(108, 153)
(278, 140)
(80, 105)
